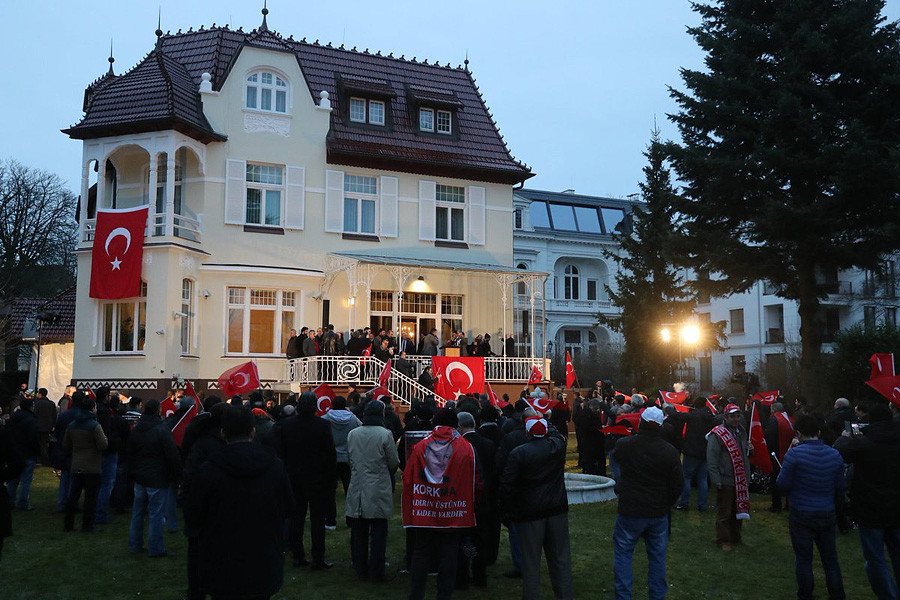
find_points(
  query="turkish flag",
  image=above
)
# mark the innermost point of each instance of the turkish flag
(766, 398)
(542, 404)
(381, 393)
(458, 375)
(385, 374)
(167, 407)
(181, 425)
(889, 387)
(673, 397)
(711, 406)
(760, 456)
(325, 396)
(118, 253)
(882, 365)
(536, 376)
(570, 371)
(240, 379)
(495, 400)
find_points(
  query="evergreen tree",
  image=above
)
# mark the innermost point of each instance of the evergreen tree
(649, 289)
(789, 153)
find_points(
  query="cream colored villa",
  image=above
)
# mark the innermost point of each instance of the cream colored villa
(289, 183)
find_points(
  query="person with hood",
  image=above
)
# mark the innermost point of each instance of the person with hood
(86, 442)
(650, 483)
(23, 432)
(304, 443)
(372, 458)
(237, 503)
(11, 464)
(439, 492)
(342, 423)
(155, 466)
(532, 494)
(264, 425)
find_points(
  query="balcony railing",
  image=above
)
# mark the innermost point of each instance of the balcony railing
(774, 335)
(842, 288)
(509, 369)
(184, 227)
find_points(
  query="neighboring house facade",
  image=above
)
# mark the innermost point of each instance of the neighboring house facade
(566, 235)
(763, 329)
(289, 184)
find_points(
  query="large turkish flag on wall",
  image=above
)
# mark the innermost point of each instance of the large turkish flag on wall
(118, 253)
(458, 375)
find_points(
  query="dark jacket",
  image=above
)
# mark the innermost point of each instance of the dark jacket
(309, 346)
(45, 412)
(85, 442)
(651, 479)
(24, 435)
(491, 430)
(813, 475)
(510, 347)
(11, 465)
(60, 457)
(875, 488)
(332, 344)
(105, 418)
(407, 367)
(426, 381)
(356, 345)
(560, 417)
(698, 422)
(485, 453)
(237, 504)
(834, 424)
(532, 484)
(294, 347)
(153, 458)
(305, 444)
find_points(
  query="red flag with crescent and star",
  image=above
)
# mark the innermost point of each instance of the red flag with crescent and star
(767, 398)
(536, 376)
(570, 371)
(889, 387)
(385, 374)
(458, 375)
(492, 396)
(381, 393)
(193, 411)
(882, 365)
(673, 397)
(240, 379)
(118, 253)
(325, 397)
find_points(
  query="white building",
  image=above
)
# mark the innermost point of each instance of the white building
(289, 183)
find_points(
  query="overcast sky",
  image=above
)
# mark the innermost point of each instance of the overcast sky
(574, 85)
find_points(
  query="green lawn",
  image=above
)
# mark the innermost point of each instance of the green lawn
(42, 562)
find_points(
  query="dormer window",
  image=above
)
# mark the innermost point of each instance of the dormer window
(363, 110)
(426, 119)
(444, 122)
(431, 120)
(266, 91)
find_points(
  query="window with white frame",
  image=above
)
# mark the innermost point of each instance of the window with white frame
(426, 119)
(259, 321)
(360, 198)
(517, 219)
(265, 186)
(444, 122)
(267, 91)
(124, 324)
(187, 315)
(570, 283)
(592, 286)
(363, 110)
(450, 216)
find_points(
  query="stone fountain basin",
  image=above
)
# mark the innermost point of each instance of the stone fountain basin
(586, 489)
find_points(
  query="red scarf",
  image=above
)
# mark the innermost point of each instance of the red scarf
(439, 482)
(741, 491)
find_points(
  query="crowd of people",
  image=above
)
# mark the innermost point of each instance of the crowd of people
(468, 469)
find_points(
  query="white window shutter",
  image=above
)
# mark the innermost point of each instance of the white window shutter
(389, 215)
(427, 194)
(334, 201)
(476, 215)
(295, 198)
(235, 190)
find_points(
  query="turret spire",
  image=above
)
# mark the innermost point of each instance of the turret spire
(111, 59)
(159, 28)
(265, 11)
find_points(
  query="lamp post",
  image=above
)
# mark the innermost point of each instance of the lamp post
(687, 333)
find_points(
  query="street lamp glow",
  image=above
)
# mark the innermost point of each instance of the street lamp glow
(666, 335)
(690, 334)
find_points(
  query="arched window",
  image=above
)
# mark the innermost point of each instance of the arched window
(571, 283)
(267, 91)
(520, 287)
(187, 315)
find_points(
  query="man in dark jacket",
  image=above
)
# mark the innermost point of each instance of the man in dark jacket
(875, 496)
(155, 465)
(485, 506)
(294, 347)
(695, 424)
(11, 465)
(108, 421)
(305, 444)
(533, 495)
(650, 483)
(85, 440)
(45, 411)
(24, 434)
(62, 458)
(592, 445)
(237, 503)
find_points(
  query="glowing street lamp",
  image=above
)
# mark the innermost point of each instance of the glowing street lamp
(690, 334)
(666, 335)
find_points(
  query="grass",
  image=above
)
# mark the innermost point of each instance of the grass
(42, 562)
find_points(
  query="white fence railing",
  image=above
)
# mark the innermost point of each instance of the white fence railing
(184, 227)
(496, 368)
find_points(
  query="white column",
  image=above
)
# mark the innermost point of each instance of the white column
(85, 191)
(531, 313)
(151, 195)
(170, 193)
(101, 183)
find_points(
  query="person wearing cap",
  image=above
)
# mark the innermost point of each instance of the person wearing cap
(650, 483)
(372, 459)
(721, 462)
(532, 495)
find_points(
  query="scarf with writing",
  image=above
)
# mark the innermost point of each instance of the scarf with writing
(741, 491)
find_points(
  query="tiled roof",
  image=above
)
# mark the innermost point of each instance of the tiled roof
(476, 149)
(21, 309)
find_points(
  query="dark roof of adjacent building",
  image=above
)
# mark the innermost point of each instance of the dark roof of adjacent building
(163, 89)
(22, 310)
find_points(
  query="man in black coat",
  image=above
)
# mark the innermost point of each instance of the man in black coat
(696, 425)
(650, 483)
(294, 346)
(485, 513)
(111, 430)
(591, 441)
(305, 443)
(11, 465)
(24, 434)
(533, 495)
(237, 503)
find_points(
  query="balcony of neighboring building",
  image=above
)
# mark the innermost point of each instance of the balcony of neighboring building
(130, 177)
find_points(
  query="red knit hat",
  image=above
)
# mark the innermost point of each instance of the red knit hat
(731, 408)
(536, 426)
